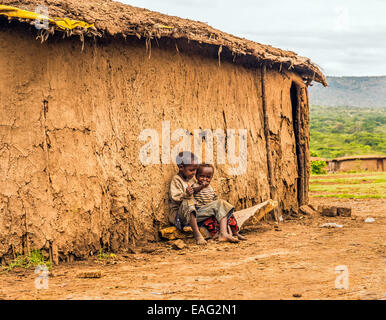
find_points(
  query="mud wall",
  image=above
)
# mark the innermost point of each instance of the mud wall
(365, 164)
(289, 176)
(70, 176)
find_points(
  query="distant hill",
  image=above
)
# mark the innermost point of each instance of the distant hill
(350, 91)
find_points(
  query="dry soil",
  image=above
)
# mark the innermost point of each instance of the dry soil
(297, 262)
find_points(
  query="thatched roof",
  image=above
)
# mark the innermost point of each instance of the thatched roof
(114, 18)
(319, 159)
(368, 157)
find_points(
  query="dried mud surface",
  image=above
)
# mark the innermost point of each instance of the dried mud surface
(70, 176)
(298, 260)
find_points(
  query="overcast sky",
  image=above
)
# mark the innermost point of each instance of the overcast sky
(343, 37)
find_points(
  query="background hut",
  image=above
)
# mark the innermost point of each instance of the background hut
(357, 163)
(73, 104)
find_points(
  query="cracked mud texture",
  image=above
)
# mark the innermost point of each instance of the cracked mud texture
(70, 177)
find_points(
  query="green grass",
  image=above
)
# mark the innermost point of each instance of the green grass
(103, 254)
(349, 196)
(350, 180)
(344, 131)
(370, 185)
(34, 259)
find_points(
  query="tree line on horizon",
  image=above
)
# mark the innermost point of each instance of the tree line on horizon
(345, 131)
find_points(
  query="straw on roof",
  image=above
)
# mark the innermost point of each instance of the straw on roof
(114, 18)
(367, 157)
(319, 159)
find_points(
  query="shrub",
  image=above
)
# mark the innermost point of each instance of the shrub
(34, 259)
(318, 167)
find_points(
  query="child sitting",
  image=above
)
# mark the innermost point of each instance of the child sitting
(183, 211)
(204, 195)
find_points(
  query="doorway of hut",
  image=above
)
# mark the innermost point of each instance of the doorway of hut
(380, 165)
(294, 93)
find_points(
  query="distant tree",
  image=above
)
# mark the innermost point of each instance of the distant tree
(345, 131)
(318, 167)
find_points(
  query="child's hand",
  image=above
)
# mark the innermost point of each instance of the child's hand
(204, 184)
(189, 190)
(197, 189)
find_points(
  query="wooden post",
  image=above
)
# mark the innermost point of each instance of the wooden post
(302, 137)
(27, 243)
(272, 188)
(54, 255)
(306, 148)
(301, 123)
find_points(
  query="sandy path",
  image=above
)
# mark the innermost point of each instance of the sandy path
(300, 259)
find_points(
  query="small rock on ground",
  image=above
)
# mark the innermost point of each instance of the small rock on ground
(178, 245)
(90, 274)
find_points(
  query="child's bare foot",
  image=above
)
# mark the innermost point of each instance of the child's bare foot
(240, 237)
(201, 241)
(215, 237)
(227, 238)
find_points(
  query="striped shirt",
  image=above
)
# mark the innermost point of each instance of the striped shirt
(205, 196)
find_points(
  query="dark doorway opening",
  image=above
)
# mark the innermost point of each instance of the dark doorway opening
(380, 165)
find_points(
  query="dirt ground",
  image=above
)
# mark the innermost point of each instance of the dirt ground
(297, 262)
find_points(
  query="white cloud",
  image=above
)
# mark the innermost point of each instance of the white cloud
(344, 37)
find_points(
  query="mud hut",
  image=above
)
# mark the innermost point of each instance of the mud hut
(358, 163)
(74, 101)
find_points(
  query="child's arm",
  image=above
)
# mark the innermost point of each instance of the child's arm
(189, 190)
(198, 187)
(215, 196)
(177, 191)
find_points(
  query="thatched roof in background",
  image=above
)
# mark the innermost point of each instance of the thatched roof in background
(368, 157)
(319, 159)
(114, 18)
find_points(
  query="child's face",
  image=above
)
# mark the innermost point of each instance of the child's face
(205, 175)
(188, 171)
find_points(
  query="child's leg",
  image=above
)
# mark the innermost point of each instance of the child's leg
(184, 211)
(212, 226)
(220, 209)
(235, 228)
(224, 235)
(196, 231)
(187, 215)
(238, 235)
